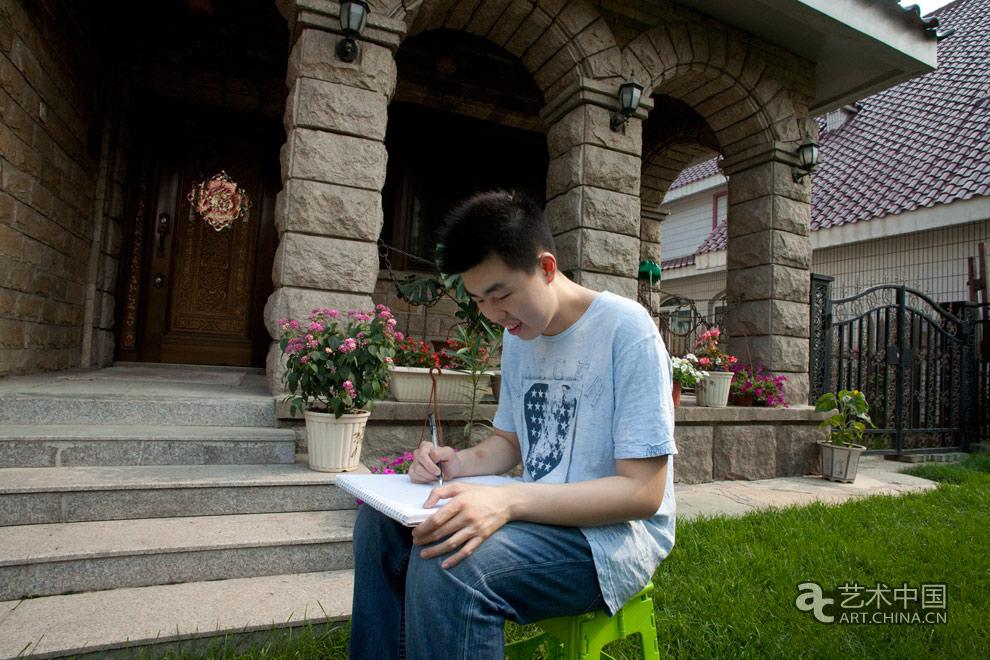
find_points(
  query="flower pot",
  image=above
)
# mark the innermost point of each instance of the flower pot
(742, 400)
(335, 444)
(676, 392)
(414, 384)
(840, 462)
(713, 390)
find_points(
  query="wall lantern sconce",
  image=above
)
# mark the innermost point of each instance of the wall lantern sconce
(809, 157)
(629, 95)
(353, 18)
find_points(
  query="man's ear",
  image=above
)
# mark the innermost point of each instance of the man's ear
(547, 265)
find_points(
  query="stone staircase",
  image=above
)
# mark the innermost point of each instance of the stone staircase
(156, 505)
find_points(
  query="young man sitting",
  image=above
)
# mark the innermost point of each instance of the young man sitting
(585, 405)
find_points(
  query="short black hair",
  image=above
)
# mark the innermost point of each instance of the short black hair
(506, 223)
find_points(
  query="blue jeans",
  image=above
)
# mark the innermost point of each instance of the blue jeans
(406, 607)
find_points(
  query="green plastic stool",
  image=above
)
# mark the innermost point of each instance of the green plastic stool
(584, 636)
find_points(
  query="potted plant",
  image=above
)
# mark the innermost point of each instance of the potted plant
(336, 369)
(685, 375)
(840, 454)
(713, 389)
(470, 357)
(462, 369)
(751, 385)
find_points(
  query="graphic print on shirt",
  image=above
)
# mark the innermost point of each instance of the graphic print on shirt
(551, 410)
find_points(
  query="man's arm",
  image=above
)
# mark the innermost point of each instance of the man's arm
(475, 512)
(496, 454)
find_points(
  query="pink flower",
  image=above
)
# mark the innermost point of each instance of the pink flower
(294, 324)
(333, 313)
(316, 326)
(304, 359)
(704, 361)
(348, 385)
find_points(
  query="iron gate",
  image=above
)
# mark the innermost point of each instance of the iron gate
(916, 361)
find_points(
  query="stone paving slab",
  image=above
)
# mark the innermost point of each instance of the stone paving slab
(49, 559)
(63, 445)
(123, 477)
(132, 407)
(61, 542)
(32, 496)
(147, 432)
(152, 374)
(876, 476)
(149, 382)
(57, 626)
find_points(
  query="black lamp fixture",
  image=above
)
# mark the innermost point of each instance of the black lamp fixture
(353, 18)
(629, 95)
(809, 157)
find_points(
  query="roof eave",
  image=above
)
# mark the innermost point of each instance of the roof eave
(859, 47)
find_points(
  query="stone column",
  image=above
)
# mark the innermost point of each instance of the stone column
(329, 213)
(768, 261)
(593, 190)
(650, 221)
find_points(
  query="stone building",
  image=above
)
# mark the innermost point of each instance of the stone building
(113, 113)
(902, 195)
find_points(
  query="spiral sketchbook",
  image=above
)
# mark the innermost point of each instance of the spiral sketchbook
(398, 497)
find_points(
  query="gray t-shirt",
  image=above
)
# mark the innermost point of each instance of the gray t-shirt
(596, 392)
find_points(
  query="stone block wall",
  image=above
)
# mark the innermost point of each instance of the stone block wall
(713, 444)
(98, 342)
(49, 149)
(417, 321)
(717, 444)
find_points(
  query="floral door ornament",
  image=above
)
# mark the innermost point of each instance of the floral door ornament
(219, 200)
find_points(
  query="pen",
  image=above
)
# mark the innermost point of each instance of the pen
(436, 445)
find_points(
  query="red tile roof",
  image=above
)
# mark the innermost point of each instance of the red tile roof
(921, 143)
(696, 173)
(677, 262)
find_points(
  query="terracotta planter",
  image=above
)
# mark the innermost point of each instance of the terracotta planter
(840, 462)
(713, 390)
(334, 445)
(677, 395)
(414, 384)
(742, 400)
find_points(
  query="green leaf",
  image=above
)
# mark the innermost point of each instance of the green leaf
(420, 289)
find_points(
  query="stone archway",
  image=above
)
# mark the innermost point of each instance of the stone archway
(593, 177)
(752, 98)
(334, 159)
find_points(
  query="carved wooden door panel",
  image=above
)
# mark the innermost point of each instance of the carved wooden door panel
(205, 286)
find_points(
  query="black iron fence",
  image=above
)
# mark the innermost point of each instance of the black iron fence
(917, 362)
(982, 413)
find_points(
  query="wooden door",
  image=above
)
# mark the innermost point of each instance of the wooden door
(204, 288)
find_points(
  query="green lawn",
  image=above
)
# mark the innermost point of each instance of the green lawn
(728, 589)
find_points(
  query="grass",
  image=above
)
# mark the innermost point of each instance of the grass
(728, 589)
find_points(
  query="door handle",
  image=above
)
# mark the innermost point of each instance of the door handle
(163, 227)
